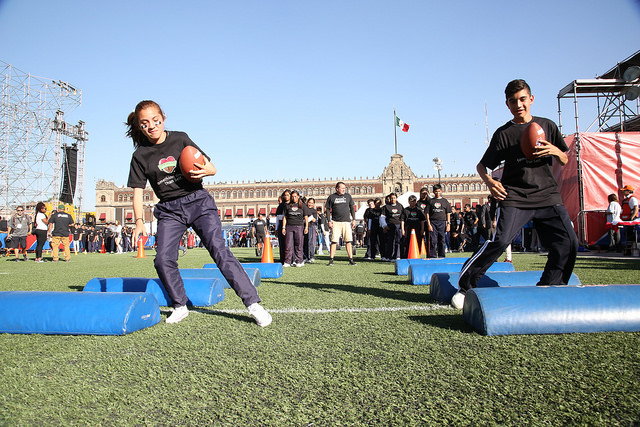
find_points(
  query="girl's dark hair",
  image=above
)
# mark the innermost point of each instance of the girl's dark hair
(39, 206)
(299, 204)
(613, 197)
(133, 127)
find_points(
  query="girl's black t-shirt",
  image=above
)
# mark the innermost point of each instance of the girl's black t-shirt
(294, 214)
(159, 164)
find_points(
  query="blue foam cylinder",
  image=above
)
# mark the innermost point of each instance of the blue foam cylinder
(553, 309)
(268, 270)
(201, 292)
(445, 285)
(76, 313)
(215, 273)
(402, 265)
(421, 274)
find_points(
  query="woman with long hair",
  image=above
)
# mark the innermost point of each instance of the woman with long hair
(183, 203)
(41, 226)
(294, 226)
(283, 202)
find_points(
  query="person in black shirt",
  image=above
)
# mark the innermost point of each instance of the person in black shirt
(414, 221)
(438, 222)
(527, 191)
(341, 213)
(260, 232)
(392, 221)
(469, 228)
(283, 201)
(294, 226)
(183, 203)
(311, 237)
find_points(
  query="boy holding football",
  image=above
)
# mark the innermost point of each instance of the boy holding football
(527, 191)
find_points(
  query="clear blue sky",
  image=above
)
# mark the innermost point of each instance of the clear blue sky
(270, 89)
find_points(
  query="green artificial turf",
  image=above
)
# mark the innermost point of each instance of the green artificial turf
(348, 346)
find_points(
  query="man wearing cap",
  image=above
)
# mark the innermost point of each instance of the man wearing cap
(19, 227)
(59, 223)
(629, 211)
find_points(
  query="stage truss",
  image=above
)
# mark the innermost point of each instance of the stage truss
(33, 134)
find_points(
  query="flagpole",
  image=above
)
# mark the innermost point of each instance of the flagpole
(395, 130)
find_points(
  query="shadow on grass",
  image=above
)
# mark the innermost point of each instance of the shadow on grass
(76, 288)
(452, 321)
(213, 312)
(364, 290)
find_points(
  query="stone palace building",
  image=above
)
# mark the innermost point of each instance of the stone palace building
(241, 201)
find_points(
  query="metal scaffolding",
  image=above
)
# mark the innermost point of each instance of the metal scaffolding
(32, 137)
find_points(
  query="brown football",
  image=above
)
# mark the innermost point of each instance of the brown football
(529, 139)
(189, 156)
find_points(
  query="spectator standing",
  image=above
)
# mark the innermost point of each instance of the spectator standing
(19, 227)
(438, 222)
(284, 200)
(323, 231)
(59, 225)
(613, 218)
(259, 228)
(414, 221)
(311, 237)
(41, 227)
(341, 214)
(294, 226)
(629, 212)
(392, 221)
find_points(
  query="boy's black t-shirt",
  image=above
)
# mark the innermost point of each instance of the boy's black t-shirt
(413, 217)
(529, 183)
(294, 214)
(438, 209)
(159, 164)
(260, 226)
(469, 219)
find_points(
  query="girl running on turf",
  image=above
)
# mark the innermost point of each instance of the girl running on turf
(183, 204)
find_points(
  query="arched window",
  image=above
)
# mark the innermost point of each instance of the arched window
(466, 187)
(234, 194)
(251, 194)
(455, 188)
(120, 198)
(263, 193)
(103, 198)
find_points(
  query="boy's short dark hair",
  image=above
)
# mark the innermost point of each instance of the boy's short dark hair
(515, 86)
(412, 198)
(437, 187)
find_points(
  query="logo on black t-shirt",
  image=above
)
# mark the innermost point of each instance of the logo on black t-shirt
(167, 165)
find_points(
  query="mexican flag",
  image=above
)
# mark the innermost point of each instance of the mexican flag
(402, 125)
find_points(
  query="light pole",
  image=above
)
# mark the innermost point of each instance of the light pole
(150, 207)
(437, 165)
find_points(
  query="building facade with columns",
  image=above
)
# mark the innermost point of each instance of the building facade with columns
(241, 201)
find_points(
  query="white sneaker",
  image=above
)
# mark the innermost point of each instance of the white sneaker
(457, 301)
(178, 314)
(261, 316)
(286, 264)
(300, 264)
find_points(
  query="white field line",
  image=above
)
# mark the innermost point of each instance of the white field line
(339, 310)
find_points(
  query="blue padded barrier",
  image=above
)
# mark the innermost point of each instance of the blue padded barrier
(402, 265)
(445, 285)
(201, 292)
(553, 309)
(421, 274)
(76, 313)
(215, 273)
(268, 270)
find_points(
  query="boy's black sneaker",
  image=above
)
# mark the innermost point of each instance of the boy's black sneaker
(330, 262)
(352, 262)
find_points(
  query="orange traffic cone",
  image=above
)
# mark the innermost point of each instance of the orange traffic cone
(413, 246)
(102, 250)
(423, 250)
(267, 252)
(142, 240)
